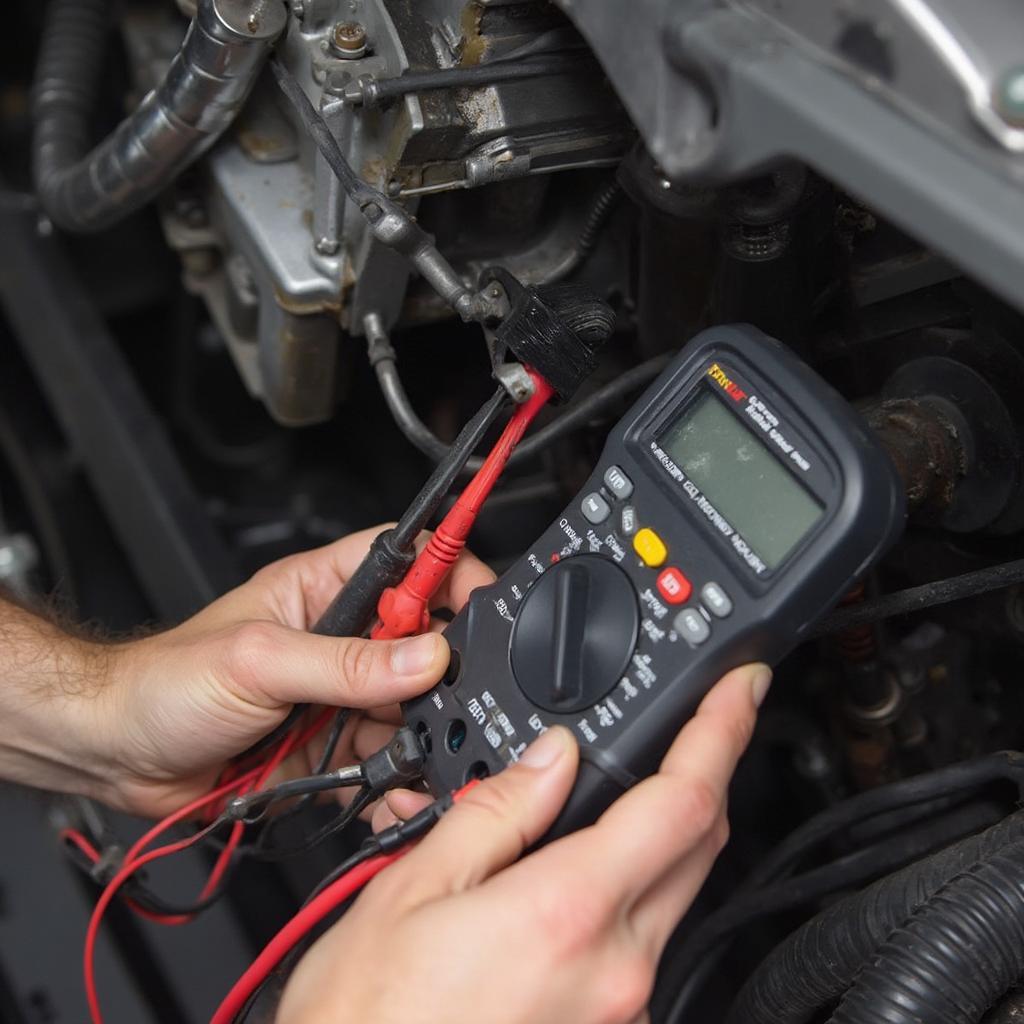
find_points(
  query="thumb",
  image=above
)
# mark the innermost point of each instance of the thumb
(493, 823)
(273, 665)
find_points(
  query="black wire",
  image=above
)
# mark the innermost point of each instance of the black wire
(956, 778)
(358, 190)
(573, 418)
(440, 481)
(928, 595)
(406, 419)
(907, 793)
(707, 944)
(600, 210)
(360, 801)
(341, 717)
(135, 889)
(343, 868)
(276, 977)
(512, 68)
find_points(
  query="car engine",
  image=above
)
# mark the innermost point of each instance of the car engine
(217, 350)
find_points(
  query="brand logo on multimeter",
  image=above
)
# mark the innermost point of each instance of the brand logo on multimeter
(726, 383)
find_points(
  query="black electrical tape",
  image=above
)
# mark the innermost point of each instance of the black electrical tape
(558, 332)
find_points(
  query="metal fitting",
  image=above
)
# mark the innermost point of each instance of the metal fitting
(347, 40)
(516, 381)
(327, 246)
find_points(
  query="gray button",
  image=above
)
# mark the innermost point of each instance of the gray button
(595, 508)
(692, 626)
(717, 600)
(617, 482)
(627, 521)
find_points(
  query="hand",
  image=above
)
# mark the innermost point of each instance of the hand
(458, 931)
(179, 704)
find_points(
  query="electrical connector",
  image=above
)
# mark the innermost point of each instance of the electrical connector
(397, 764)
(408, 831)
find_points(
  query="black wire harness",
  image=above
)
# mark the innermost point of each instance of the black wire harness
(769, 889)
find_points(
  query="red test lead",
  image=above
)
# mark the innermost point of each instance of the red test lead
(404, 610)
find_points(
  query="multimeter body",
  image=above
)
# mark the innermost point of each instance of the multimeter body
(733, 506)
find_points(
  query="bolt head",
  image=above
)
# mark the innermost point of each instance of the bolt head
(327, 246)
(1010, 96)
(348, 40)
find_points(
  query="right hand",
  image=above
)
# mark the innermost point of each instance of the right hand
(458, 931)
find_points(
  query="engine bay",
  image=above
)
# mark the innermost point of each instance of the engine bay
(216, 353)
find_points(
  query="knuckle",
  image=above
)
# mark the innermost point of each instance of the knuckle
(628, 988)
(247, 649)
(357, 662)
(499, 806)
(699, 806)
(741, 730)
(572, 921)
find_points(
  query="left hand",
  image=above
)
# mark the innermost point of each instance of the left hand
(179, 704)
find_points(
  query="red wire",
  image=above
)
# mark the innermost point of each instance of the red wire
(135, 858)
(404, 610)
(303, 922)
(295, 930)
(73, 836)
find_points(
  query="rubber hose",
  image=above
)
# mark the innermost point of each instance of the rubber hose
(954, 958)
(64, 92)
(818, 962)
(204, 88)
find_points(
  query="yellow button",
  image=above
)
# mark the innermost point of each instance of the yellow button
(650, 547)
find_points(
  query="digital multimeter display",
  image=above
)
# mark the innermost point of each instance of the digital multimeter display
(741, 478)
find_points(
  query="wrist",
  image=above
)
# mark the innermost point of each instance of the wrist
(51, 724)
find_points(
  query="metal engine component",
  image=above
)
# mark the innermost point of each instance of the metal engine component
(286, 264)
(204, 88)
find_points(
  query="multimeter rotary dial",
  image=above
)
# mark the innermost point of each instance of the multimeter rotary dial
(575, 633)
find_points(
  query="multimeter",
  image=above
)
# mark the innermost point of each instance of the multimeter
(733, 505)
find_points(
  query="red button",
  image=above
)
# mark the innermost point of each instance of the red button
(674, 586)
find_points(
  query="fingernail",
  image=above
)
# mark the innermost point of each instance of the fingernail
(759, 683)
(415, 655)
(387, 814)
(547, 748)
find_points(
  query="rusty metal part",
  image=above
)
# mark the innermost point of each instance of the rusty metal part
(348, 40)
(926, 447)
(857, 643)
(872, 701)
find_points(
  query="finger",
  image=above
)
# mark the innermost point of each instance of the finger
(271, 666)
(665, 817)
(492, 824)
(657, 914)
(669, 814)
(398, 805)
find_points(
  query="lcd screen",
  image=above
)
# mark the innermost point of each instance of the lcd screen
(741, 478)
